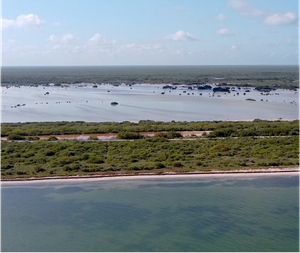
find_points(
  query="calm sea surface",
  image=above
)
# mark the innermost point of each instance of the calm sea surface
(225, 213)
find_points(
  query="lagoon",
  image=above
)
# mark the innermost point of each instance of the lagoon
(143, 102)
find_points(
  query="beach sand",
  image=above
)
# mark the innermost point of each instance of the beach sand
(286, 171)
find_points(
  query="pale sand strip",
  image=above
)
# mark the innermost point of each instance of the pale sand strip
(202, 174)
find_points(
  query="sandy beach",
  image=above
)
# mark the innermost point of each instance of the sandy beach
(292, 171)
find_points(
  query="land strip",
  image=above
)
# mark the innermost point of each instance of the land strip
(282, 170)
(111, 135)
(155, 155)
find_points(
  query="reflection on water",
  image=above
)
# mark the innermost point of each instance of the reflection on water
(142, 102)
(226, 213)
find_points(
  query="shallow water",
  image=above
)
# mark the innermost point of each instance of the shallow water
(142, 102)
(226, 213)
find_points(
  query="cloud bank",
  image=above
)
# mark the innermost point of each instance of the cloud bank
(224, 31)
(281, 19)
(23, 21)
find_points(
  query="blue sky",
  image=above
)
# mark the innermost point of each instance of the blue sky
(149, 32)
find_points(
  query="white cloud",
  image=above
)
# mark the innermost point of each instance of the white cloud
(281, 19)
(140, 48)
(134, 47)
(181, 35)
(23, 21)
(61, 44)
(221, 17)
(11, 47)
(100, 43)
(224, 31)
(64, 39)
(243, 8)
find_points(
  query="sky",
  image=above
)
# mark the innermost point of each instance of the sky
(149, 32)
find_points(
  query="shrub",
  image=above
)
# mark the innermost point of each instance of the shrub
(52, 138)
(96, 159)
(92, 169)
(177, 164)
(93, 138)
(169, 135)
(173, 135)
(6, 166)
(84, 156)
(29, 154)
(221, 133)
(159, 165)
(39, 169)
(72, 167)
(129, 135)
(49, 153)
(20, 172)
(160, 135)
(32, 138)
(15, 137)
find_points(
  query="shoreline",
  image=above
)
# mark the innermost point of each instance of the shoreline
(122, 176)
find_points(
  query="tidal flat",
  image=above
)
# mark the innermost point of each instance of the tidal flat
(143, 102)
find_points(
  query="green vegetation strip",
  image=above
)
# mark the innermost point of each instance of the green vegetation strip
(220, 128)
(156, 154)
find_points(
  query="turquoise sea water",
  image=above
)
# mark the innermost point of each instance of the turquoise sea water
(226, 213)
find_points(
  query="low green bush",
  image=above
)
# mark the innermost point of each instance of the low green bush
(15, 137)
(129, 135)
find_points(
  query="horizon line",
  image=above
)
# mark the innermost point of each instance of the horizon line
(150, 65)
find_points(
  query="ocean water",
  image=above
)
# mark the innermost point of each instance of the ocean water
(208, 213)
(143, 102)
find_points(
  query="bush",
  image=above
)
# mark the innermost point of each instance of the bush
(20, 172)
(177, 164)
(49, 153)
(29, 154)
(96, 159)
(32, 138)
(52, 138)
(6, 166)
(160, 135)
(129, 135)
(93, 138)
(221, 133)
(169, 135)
(72, 167)
(173, 135)
(159, 165)
(15, 137)
(39, 169)
(92, 169)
